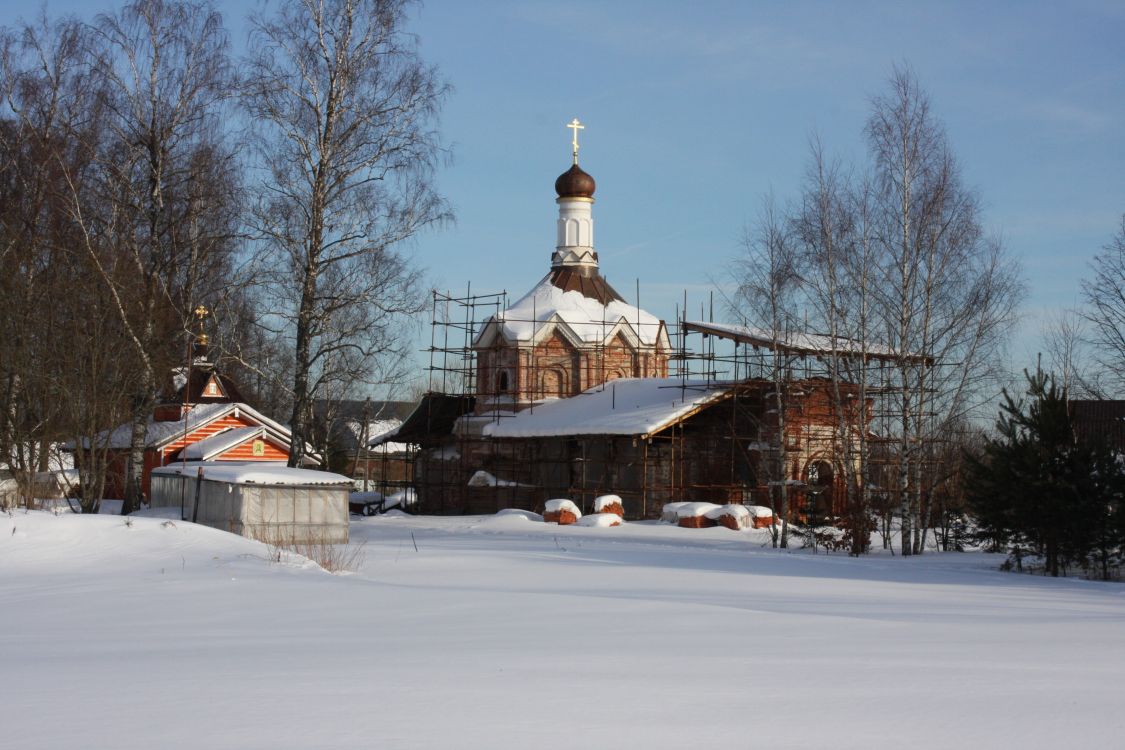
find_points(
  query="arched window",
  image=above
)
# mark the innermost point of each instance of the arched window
(571, 232)
(502, 382)
(552, 383)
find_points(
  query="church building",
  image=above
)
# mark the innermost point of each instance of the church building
(572, 331)
(573, 398)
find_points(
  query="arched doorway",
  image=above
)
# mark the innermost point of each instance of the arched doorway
(820, 481)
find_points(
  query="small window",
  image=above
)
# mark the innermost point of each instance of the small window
(502, 382)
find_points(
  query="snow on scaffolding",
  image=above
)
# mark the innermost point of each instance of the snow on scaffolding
(813, 344)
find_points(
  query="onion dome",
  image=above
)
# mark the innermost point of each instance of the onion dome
(575, 183)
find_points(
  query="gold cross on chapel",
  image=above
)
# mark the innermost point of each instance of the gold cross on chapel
(575, 126)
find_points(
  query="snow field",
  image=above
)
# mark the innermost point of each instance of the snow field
(652, 636)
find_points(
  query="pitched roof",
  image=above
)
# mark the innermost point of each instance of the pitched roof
(629, 406)
(196, 384)
(432, 419)
(158, 434)
(221, 442)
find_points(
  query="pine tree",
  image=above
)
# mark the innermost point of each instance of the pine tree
(1037, 489)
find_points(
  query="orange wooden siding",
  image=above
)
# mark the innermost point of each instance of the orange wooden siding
(245, 452)
(206, 431)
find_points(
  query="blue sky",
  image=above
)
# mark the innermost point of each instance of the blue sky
(695, 111)
(693, 115)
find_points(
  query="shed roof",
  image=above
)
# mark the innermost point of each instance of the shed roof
(253, 472)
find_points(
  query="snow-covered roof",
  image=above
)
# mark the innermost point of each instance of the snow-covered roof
(223, 441)
(253, 472)
(797, 343)
(159, 433)
(380, 433)
(629, 406)
(582, 319)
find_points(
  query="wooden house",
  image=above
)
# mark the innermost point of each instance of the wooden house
(202, 418)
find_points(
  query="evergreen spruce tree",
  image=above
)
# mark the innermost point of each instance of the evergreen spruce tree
(1037, 489)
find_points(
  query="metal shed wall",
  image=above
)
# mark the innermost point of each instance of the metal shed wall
(285, 514)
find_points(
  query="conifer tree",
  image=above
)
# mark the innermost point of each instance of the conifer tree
(1037, 489)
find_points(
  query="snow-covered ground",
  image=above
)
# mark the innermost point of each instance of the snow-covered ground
(503, 632)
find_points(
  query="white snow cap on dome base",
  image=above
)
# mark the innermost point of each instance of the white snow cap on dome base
(559, 505)
(586, 318)
(601, 503)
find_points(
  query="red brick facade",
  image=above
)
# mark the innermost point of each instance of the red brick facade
(514, 375)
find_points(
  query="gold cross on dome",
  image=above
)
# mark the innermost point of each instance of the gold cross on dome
(575, 126)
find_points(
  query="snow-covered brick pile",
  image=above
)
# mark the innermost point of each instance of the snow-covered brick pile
(518, 514)
(599, 520)
(694, 515)
(763, 516)
(561, 511)
(671, 512)
(609, 504)
(734, 517)
(483, 479)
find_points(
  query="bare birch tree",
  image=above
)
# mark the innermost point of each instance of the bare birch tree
(1065, 336)
(833, 227)
(1104, 294)
(949, 291)
(766, 295)
(165, 70)
(344, 109)
(38, 74)
(897, 262)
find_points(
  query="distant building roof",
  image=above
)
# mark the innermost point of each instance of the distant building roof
(348, 418)
(1099, 420)
(432, 420)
